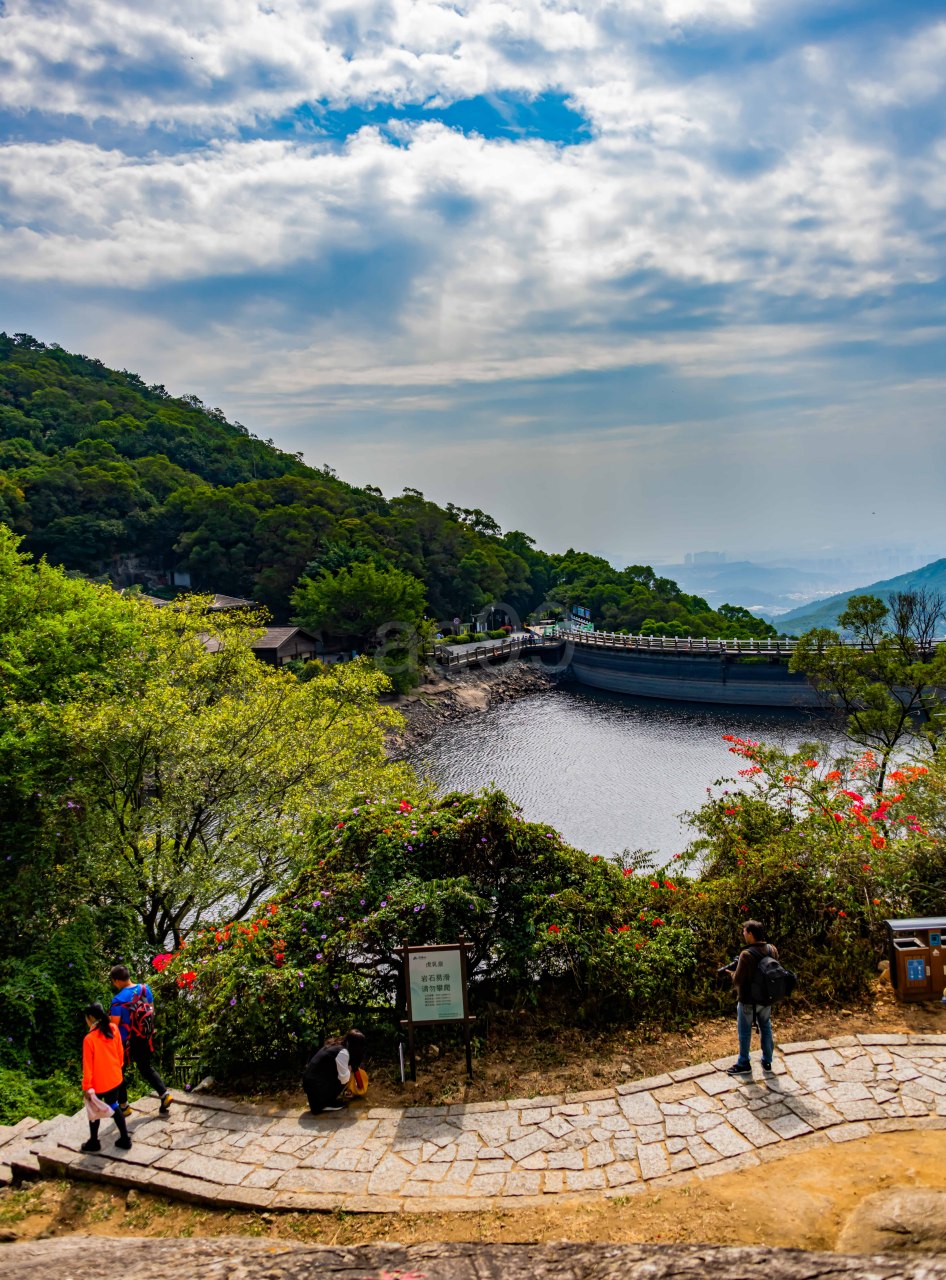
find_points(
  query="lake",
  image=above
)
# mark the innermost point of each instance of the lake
(608, 772)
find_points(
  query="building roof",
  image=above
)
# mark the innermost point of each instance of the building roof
(231, 602)
(276, 637)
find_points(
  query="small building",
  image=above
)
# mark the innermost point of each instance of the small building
(279, 645)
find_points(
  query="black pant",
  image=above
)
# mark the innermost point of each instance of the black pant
(321, 1093)
(139, 1053)
(111, 1097)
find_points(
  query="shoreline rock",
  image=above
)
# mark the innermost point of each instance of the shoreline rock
(450, 695)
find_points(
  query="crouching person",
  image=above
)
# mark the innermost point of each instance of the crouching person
(330, 1070)
(102, 1060)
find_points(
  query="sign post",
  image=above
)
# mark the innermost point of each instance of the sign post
(435, 986)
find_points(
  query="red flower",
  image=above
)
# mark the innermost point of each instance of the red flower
(628, 871)
(405, 806)
(842, 913)
(339, 825)
(553, 928)
(811, 764)
(187, 979)
(833, 775)
(596, 858)
(656, 920)
(161, 961)
(279, 959)
(624, 928)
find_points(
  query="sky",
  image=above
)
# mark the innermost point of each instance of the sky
(637, 276)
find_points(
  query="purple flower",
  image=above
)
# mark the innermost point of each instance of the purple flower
(416, 909)
(362, 901)
(318, 955)
(232, 1002)
(482, 839)
(384, 904)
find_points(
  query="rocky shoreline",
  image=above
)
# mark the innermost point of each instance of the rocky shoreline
(448, 696)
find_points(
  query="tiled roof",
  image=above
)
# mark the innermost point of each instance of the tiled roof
(276, 637)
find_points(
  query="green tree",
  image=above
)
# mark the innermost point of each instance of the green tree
(359, 602)
(196, 779)
(888, 679)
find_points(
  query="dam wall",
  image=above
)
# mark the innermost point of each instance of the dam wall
(726, 678)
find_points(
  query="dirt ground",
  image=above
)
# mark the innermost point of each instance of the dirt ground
(822, 1186)
(517, 1060)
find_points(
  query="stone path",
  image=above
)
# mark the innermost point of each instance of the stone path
(695, 1122)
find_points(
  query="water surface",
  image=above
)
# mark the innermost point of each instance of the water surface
(608, 772)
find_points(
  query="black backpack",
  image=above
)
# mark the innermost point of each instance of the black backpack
(771, 981)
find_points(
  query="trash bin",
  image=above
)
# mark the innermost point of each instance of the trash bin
(917, 957)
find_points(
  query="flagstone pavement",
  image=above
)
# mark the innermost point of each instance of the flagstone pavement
(691, 1123)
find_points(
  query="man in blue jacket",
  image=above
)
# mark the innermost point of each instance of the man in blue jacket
(138, 1047)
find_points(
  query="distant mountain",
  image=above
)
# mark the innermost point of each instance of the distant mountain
(825, 613)
(763, 588)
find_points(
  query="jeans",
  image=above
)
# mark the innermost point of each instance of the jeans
(763, 1016)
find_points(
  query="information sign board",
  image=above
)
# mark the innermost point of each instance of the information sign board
(435, 990)
(437, 986)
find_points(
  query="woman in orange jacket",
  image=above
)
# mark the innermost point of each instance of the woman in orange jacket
(102, 1060)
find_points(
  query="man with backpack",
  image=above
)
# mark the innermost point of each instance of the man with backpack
(759, 979)
(133, 1006)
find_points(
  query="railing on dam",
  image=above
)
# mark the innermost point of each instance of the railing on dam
(770, 646)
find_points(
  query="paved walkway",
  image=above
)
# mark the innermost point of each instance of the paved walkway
(694, 1122)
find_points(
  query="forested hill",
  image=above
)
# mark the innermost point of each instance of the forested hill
(825, 613)
(97, 469)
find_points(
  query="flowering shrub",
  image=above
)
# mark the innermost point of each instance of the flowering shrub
(808, 847)
(548, 925)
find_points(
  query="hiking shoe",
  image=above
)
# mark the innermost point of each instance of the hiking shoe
(336, 1106)
(766, 1066)
(739, 1071)
(166, 1101)
(93, 1144)
(124, 1143)
(127, 1109)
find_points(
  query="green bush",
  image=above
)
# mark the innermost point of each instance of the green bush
(43, 991)
(21, 1095)
(547, 924)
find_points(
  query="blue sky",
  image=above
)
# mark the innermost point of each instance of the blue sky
(642, 276)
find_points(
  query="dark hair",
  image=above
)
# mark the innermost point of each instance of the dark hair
(356, 1044)
(756, 929)
(102, 1020)
(118, 973)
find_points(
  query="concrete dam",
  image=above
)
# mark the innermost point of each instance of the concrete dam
(746, 673)
(727, 677)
